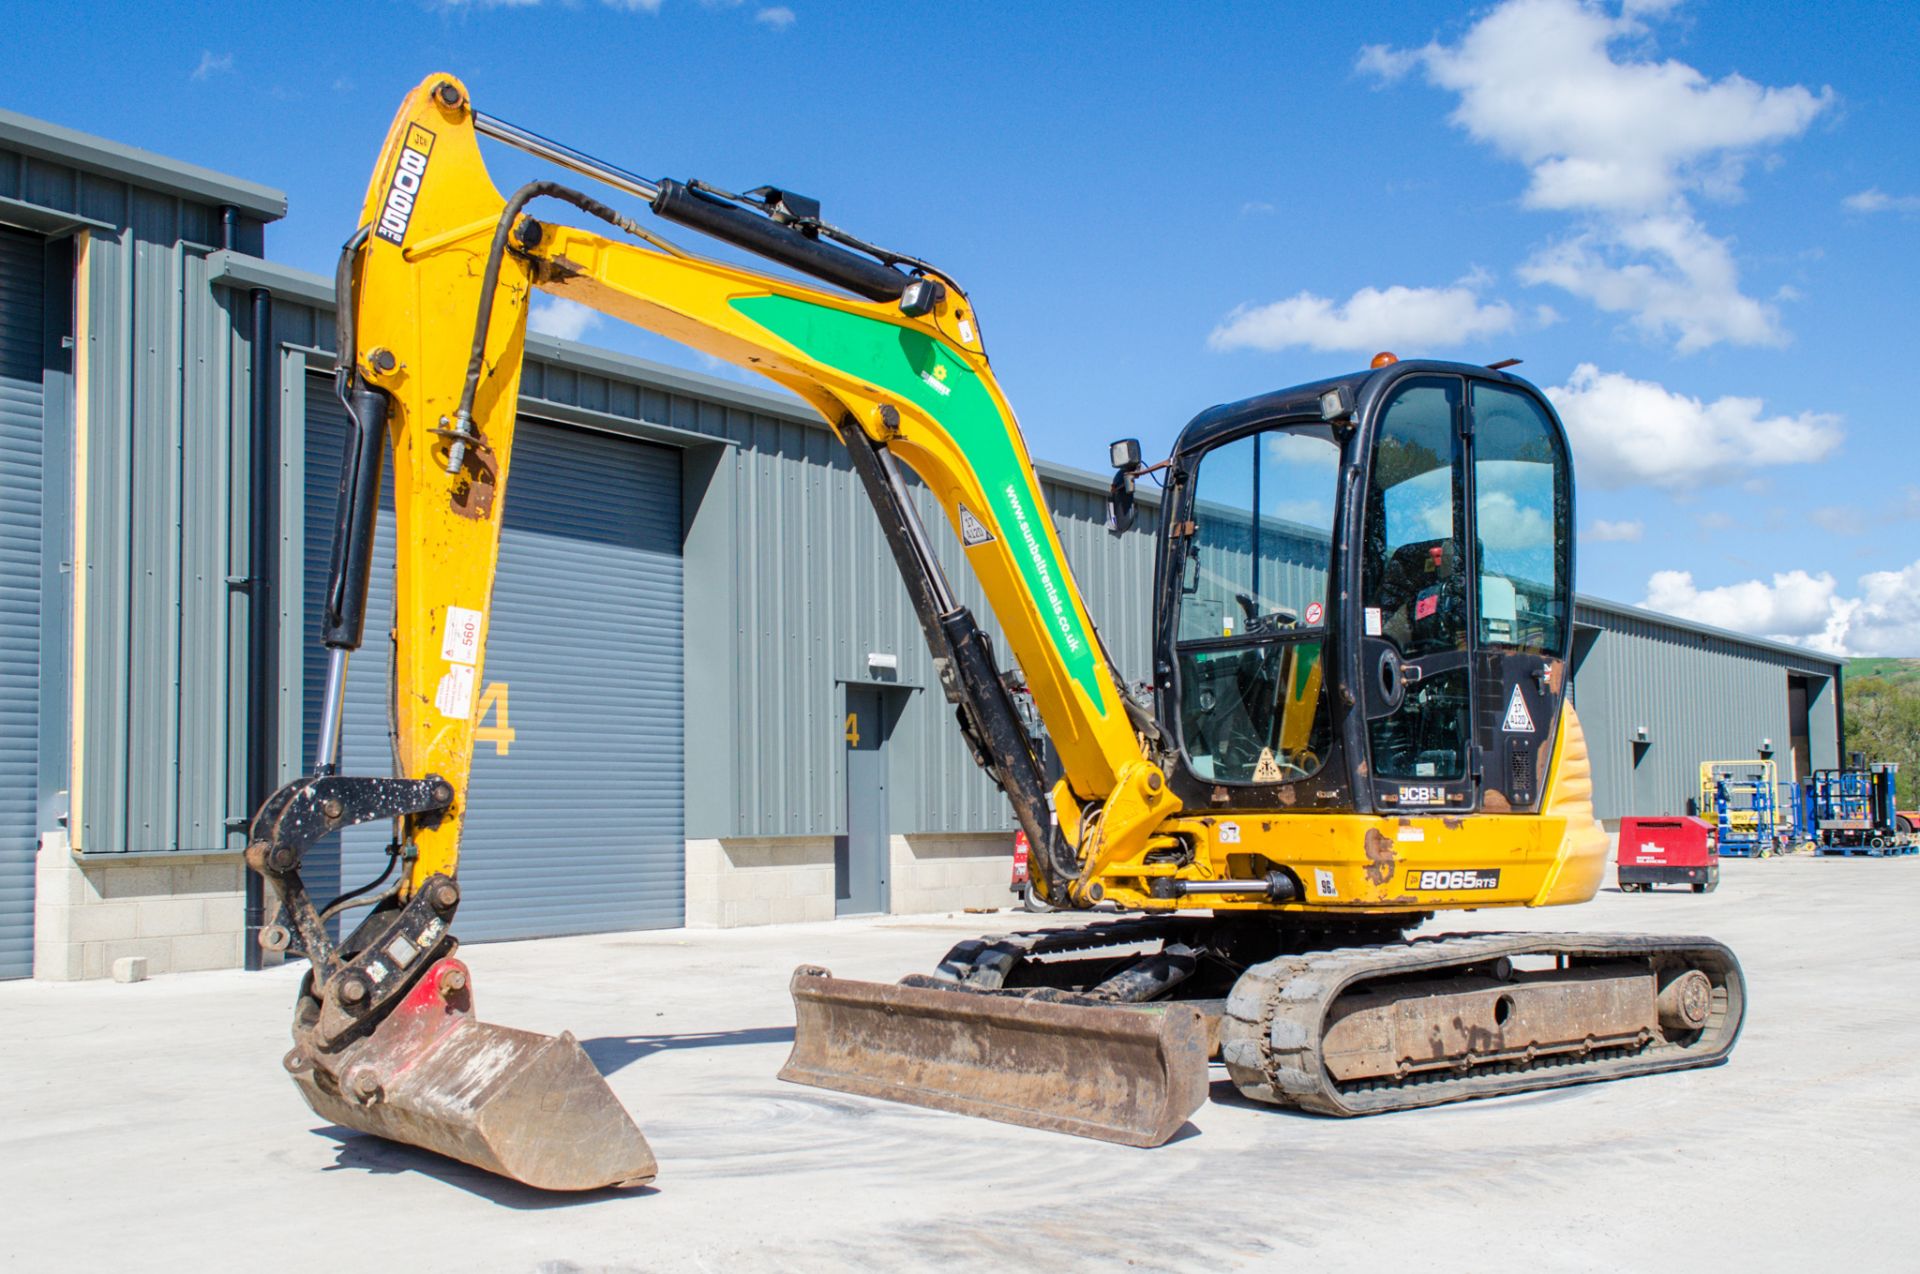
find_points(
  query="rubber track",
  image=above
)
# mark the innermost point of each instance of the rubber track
(1272, 1034)
(985, 963)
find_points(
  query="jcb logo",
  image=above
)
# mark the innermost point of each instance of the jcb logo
(404, 189)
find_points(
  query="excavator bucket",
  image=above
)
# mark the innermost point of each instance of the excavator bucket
(1130, 1075)
(526, 1106)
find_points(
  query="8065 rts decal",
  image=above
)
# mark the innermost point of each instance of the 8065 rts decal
(1468, 878)
(397, 209)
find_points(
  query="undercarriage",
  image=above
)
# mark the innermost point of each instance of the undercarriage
(1107, 1029)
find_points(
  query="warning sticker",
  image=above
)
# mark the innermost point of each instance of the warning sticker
(1267, 771)
(1314, 611)
(1518, 721)
(460, 642)
(1229, 833)
(1323, 883)
(1371, 621)
(454, 698)
(972, 531)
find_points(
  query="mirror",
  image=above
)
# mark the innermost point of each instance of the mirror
(1121, 510)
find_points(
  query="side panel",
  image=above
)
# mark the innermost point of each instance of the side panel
(22, 294)
(575, 822)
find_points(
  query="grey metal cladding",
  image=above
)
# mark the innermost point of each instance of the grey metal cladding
(163, 354)
(814, 591)
(21, 530)
(575, 821)
(1701, 696)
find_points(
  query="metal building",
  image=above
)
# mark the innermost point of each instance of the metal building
(708, 701)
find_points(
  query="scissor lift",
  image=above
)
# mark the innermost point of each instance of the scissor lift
(1740, 798)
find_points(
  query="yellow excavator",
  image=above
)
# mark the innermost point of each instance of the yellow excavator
(1357, 712)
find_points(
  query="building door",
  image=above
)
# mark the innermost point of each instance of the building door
(22, 424)
(860, 863)
(1799, 731)
(575, 820)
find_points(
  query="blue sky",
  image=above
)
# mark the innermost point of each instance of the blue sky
(1697, 222)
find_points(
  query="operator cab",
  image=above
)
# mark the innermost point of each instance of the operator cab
(1364, 594)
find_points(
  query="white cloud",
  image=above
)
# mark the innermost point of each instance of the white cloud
(1667, 274)
(632, 6)
(1878, 200)
(1628, 431)
(1257, 208)
(1605, 532)
(778, 16)
(1620, 140)
(557, 316)
(1882, 619)
(211, 66)
(1795, 605)
(1372, 319)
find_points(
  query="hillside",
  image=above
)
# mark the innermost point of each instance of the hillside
(1901, 672)
(1883, 717)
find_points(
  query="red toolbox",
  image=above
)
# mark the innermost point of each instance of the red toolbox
(1667, 851)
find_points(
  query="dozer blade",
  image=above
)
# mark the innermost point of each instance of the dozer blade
(526, 1106)
(1121, 1074)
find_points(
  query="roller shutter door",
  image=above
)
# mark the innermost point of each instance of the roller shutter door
(22, 299)
(575, 823)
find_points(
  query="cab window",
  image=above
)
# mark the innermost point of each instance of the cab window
(1522, 490)
(1252, 617)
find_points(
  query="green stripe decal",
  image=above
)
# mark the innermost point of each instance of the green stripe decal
(916, 368)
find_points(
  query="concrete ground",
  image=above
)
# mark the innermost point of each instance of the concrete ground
(150, 1127)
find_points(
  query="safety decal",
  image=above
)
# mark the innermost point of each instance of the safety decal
(1323, 883)
(1432, 881)
(460, 640)
(1427, 603)
(1314, 612)
(454, 698)
(1267, 771)
(1370, 620)
(973, 532)
(396, 211)
(1229, 833)
(1519, 720)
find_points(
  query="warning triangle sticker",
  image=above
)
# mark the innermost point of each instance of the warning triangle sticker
(1267, 771)
(972, 531)
(1519, 721)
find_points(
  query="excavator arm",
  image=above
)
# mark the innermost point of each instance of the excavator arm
(434, 294)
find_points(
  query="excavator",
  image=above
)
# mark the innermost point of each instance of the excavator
(1356, 718)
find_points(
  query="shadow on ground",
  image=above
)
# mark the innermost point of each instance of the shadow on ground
(610, 1053)
(359, 1152)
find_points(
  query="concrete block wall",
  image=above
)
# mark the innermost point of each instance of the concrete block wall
(183, 912)
(789, 879)
(950, 871)
(759, 881)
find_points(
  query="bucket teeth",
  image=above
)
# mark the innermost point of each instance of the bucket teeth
(1126, 1075)
(526, 1106)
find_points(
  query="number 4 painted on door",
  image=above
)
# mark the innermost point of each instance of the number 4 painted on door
(494, 699)
(853, 729)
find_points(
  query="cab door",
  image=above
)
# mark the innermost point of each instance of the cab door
(1415, 659)
(1522, 588)
(1466, 595)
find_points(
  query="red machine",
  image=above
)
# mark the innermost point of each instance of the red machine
(1667, 851)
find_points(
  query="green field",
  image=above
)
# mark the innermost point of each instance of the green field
(1898, 672)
